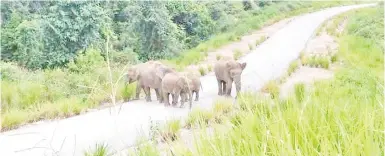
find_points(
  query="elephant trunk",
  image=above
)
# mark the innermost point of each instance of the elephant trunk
(238, 85)
(190, 102)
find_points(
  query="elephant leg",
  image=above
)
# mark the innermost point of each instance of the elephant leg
(166, 99)
(219, 87)
(148, 94)
(196, 95)
(228, 88)
(138, 89)
(187, 95)
(224, 88)
(175, 99)
(182, 102)
(183, 97)
(158, 97)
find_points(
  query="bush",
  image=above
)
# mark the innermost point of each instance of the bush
(237, 54)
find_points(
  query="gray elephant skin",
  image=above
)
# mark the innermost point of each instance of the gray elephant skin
(148, 76)
(227, 71)
(194, 83)
(175, 84)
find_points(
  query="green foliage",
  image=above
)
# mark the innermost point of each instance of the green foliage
(299, 90)
(100, 150)
(202, 71)
(342, 116)
(90, 60)
(237, 54)
(158, 35)
(271, 87)
(170, 130)
(199, 117)
(64, 43)
(293, 67)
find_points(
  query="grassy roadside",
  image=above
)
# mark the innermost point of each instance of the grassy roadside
(342, 116)
(253, 22)
(49, 94)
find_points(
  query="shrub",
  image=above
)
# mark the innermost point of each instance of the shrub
(237, 54)
(272, 88)
(170, 130)
(293, 67)
(218, 56)
(251, 47)
(199, 117)
(202, 71)
(210, 68)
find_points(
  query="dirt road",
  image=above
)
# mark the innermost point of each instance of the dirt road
(73, 135)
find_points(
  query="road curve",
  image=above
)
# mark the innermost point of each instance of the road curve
(73, 135)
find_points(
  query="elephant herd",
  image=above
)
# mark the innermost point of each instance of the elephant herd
(167, 81)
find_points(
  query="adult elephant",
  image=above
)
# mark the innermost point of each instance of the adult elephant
(175, 84)
(227, 71)
(148, 75)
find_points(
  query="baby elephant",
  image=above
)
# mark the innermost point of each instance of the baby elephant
(175, 84)
(195, 85)
(228, 71)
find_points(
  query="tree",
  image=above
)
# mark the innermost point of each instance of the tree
(158, 35)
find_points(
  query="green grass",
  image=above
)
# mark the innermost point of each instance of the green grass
(299, 90)
(202, 71)
(340, 116)
(237, 54)
(54, 93)
(170, 131)
(218, 56)
(253, 21)
(251, 47)
(199, 117)
(48, 94)
(99, 150)
(317, 61)
(293, 67)
(261, 39)
(271, 87)
(210, 68)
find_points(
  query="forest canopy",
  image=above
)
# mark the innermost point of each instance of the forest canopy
(46, 34)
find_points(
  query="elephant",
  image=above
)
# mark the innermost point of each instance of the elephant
(149, 75)
(175, 84)
(195, 85)
(227, 71)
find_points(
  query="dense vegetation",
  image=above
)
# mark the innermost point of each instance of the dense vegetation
(340, 116)
(53, 53)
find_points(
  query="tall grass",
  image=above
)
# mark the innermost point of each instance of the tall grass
(252, 21)
(341, 116)
(28, 96)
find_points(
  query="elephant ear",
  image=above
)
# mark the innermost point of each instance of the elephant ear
(162, 71)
